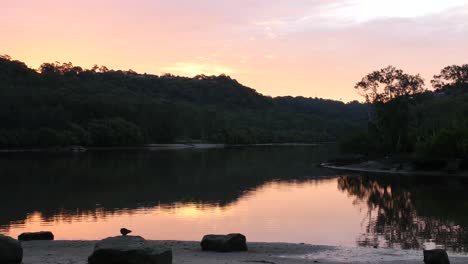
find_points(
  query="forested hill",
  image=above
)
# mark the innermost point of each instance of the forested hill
(62, 104)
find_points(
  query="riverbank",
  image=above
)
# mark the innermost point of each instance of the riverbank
(175, 146)
(390, 166)
(77, 252)
(143, 147)
(358, 168)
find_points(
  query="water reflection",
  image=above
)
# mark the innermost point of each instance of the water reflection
(99, 185)
(411, 212)
(268, 193)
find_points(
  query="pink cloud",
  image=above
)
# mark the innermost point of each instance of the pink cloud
(315, 49)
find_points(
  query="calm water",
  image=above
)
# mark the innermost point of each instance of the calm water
(268, 193)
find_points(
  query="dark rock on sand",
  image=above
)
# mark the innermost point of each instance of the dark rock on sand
(128, 250)
(43, 235)
(436, 256)
(224, 243)
(11, 251)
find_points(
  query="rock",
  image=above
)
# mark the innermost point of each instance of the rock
(436, 256)
(224, 243)
(43, 235)
(128, 250)
(11, 251)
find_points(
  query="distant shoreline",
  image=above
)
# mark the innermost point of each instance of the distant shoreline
(169, 146)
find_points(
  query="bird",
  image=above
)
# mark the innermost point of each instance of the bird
(125, 231)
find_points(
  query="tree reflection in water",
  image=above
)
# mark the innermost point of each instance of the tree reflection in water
(411, 212)
(99, 184)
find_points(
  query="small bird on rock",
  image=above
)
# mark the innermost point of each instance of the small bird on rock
(125, 231)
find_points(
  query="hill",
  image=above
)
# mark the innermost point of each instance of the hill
(61, 104)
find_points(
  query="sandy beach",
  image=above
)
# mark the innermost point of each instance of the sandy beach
(77, 252)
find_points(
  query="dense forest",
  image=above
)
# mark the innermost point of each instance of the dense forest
(60, 104)
(405, 118)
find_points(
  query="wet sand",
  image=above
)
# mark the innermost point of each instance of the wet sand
(77, 252)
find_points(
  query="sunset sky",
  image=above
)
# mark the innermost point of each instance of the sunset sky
(278, 47)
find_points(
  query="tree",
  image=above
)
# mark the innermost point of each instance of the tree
(390, 92)
(454, 75)
(389, 83)
(114, 132)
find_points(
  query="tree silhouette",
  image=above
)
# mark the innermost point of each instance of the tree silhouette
(390, 91)
(389, 83)
(455, 75)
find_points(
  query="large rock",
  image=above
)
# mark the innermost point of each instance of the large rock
(224, 243)
(43, 235)
(11, 251)
(128, 250)
(436, 256)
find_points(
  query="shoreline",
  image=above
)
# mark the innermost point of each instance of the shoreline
(169, 146)
(77, 252)
(357, 168)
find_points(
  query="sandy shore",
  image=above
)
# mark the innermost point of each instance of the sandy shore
(77, 252)
(361, 168)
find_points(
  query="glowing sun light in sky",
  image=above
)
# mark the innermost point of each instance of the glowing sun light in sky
(193, 68)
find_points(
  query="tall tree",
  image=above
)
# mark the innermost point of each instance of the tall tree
(390, 92)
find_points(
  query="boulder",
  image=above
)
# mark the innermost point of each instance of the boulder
(224, 243)
(43, 235)
(436, 256)
(128, 250)
(11, 251)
